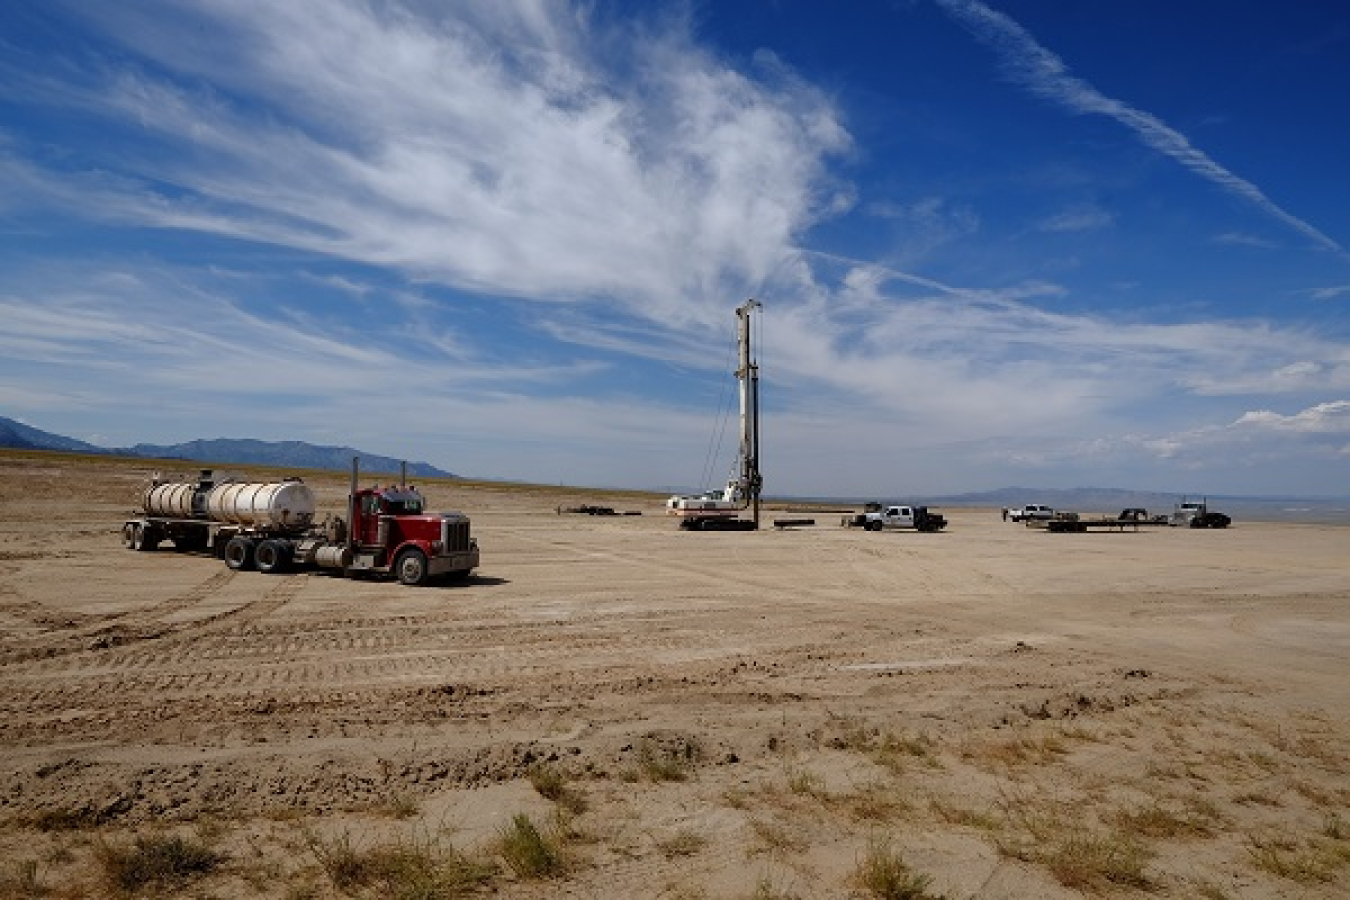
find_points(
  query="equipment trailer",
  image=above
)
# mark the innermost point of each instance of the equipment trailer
(270, 526)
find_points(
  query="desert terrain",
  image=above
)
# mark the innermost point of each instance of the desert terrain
(614, 708)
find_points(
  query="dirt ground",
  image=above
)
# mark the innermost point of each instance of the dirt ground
(988, 712)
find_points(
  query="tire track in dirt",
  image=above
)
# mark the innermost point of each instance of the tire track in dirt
(202, 591)
(224, 657)
(98, 633)
(724, 575)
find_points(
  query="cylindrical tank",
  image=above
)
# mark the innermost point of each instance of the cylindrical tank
(283, 504)
(170, 501)
(333, 556)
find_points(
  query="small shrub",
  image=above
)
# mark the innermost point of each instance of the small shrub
(529, 852)
(159, 861)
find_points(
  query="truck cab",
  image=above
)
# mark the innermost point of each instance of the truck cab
(1032, 512)
(391, 532)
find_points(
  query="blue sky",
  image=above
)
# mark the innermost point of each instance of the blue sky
(1033, 243)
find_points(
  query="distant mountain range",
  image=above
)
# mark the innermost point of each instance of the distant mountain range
(238, 451)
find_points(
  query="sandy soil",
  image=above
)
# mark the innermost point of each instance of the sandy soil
(1006, 712)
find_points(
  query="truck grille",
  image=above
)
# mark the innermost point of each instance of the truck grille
(455, 534)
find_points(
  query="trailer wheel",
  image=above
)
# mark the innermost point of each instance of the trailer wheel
(144, 538)
(272, 557)
(129, 535)
(239, 553)
(411, 567)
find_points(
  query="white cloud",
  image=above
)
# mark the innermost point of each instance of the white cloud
(437, 145)
(1324, 418)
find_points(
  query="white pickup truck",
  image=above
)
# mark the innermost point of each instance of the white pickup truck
(919, 518)
(1031, 512)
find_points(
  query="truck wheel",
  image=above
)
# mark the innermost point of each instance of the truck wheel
(129, 535)
(411, 567)
(239, 553)
(272, 557)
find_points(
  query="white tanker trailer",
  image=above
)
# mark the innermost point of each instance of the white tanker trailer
(270, 526)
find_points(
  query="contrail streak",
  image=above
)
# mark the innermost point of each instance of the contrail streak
(1046, 76)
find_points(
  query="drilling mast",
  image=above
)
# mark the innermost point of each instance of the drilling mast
(719, 510)
(747, 373)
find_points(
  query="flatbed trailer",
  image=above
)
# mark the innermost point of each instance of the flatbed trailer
(1078, 526)
(1071, 523)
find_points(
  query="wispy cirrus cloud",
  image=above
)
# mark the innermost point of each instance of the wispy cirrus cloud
(1045, 75)
(1236, 239)
(1330, 293)
(1088, 218)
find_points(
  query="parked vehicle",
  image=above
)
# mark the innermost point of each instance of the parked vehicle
(270, 526)
(1031, 511)
(1197, 514)
(916, 518)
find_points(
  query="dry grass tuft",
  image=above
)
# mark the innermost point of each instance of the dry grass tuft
(686, 842)
(884, 874)
(551, 784)
(158, 861)
(665, 764)
(1098, 861)
(1158, 821)
(1319, 857)
(961, 815)
(775, 838)
(405, 870)
(1016, 753)
(875, 802)
(529, 851)
(19, 880)
(804, 783)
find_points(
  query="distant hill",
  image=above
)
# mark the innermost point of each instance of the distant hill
(17, 434)
(239, 451)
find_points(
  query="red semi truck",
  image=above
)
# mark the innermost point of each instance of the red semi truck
(270, 526)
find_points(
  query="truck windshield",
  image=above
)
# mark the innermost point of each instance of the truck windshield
(402, 503)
